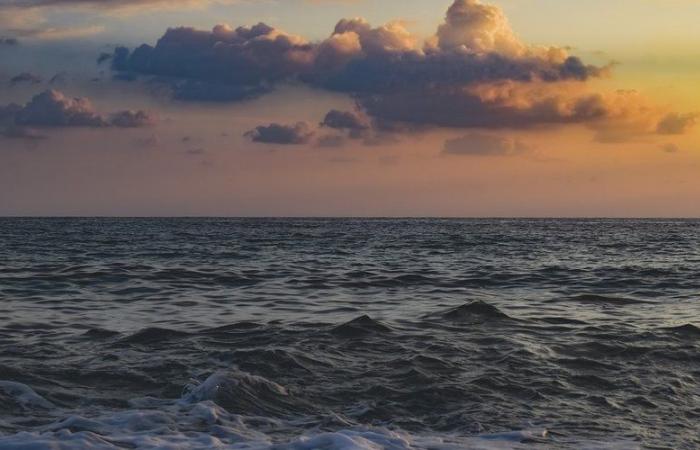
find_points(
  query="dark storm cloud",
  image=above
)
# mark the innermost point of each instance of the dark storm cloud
(8, 41)
(275, 133)
(53, 109)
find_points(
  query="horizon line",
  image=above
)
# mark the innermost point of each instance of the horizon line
(312, 217)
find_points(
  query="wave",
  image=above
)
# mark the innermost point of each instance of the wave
(153, 335)
(361, 326)
(242, 393)
(238, 327)
(687, 330)
(476, 311)
(561, 321)
(22, 395)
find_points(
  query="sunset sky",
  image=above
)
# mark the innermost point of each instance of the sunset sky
(350, 108)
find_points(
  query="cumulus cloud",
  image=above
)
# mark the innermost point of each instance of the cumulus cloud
(477, 144)
(474, 27)
(355, 58)
(473, 72)
(53, 109)
(239, 63)
(275, 133)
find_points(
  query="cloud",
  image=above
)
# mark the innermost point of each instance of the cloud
(275, 133)
(675, 123)
(476, 144)
(39, 19)
(133, 119)
(473, 72)
(36, 8)
(247, 58)
(108, 4)
(345, 120)
(26, 20)
(355, 126)
(16, 132)
(53, 109)
(8, 41)
(474, 27)
(355, 58)
(26, 77)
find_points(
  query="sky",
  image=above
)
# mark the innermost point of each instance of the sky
(455, 108)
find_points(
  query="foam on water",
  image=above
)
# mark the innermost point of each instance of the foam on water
(195, 422)
(152, 433)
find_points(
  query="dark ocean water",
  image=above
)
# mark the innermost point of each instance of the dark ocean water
(349, 334)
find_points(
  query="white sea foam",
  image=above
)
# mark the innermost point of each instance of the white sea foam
(195, 422)
(354, 439)
(119, 436)
(208, 389)
(204, 425)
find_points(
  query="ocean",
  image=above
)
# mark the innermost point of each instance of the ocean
(349, 334)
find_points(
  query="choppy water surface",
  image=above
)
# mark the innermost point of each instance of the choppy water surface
(344, 334)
